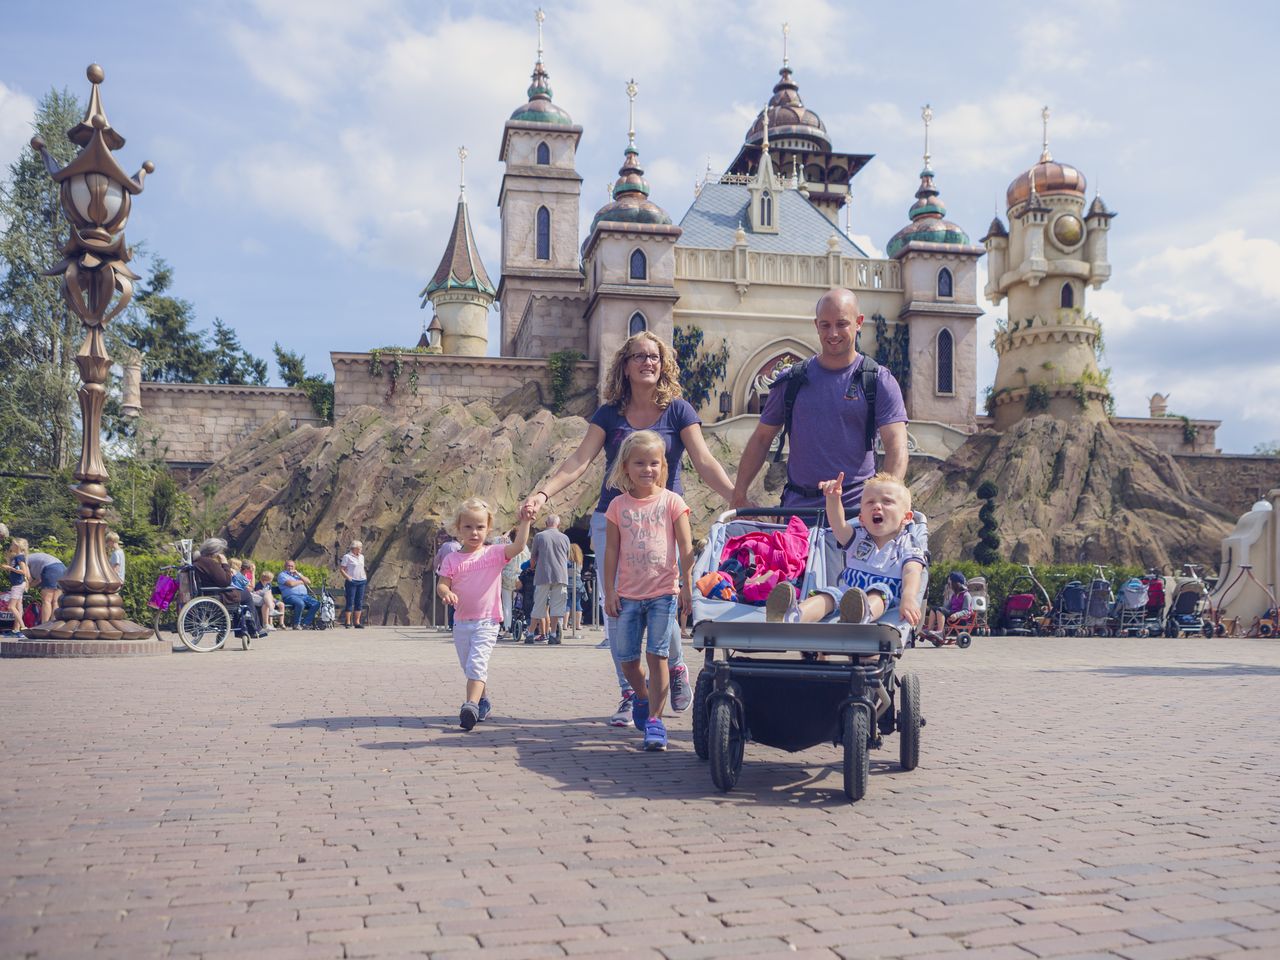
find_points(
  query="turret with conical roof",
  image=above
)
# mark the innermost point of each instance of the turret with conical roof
(1053, 252)
(460, 290)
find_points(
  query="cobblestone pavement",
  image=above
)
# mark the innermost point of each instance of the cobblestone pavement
(314, 798)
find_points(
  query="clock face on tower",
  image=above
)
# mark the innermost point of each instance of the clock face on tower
(1068, 231)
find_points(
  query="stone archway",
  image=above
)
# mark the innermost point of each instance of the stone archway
(750, 383)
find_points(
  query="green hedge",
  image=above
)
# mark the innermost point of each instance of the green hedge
(142, 569)
(1001, 575)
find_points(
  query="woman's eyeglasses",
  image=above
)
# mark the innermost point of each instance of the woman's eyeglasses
(645, 358)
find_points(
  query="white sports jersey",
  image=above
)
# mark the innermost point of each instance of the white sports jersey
(878, 568)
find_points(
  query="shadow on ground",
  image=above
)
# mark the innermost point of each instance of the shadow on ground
(1206, 669)
(587, 755)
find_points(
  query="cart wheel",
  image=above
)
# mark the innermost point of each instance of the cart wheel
(204, 624)
(1206, 630)
(246, 641)
(963, 640)
(164, 621)
(909, 721)
(1265, 630)
(936, 640)
(517, 631)
(1220, 630)
(701, 690)
(857, 764)
(725, 743)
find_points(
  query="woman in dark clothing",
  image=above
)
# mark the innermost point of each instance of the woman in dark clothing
(212, 571)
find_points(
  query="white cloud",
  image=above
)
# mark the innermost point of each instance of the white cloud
(17, 110)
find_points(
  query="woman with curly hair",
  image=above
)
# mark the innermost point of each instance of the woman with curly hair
(642, 392)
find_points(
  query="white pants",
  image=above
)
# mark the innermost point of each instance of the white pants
(506, 608)
(474, 640)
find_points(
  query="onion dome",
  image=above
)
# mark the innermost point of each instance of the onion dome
(631, 203)
(540, 109)
(927, 220)
(789, 117)
(1048, 177)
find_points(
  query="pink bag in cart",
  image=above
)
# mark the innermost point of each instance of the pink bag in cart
(162, 595)
(770, 556)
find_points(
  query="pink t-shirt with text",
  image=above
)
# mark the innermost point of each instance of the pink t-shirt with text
(477, 580)
(648, 558)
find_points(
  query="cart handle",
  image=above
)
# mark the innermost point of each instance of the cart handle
(801, 512)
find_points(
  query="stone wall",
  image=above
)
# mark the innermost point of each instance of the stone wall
(1233, 481)
(1169, 434)
(197, 423)
(424, 380)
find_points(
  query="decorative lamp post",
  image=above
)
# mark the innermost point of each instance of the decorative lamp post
(96, 195)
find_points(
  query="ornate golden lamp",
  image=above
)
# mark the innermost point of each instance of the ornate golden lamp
(96, 195)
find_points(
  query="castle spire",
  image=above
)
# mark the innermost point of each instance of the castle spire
(786, 29)
(462, 171)
(1045, 156)
(926, 114)
(632, 90)
(460, 268)
(539, 15)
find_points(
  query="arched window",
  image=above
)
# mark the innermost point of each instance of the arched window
(766, 209)
(639, 265)
(544, 233)
(946, 363)
(544, 154)
(1068, 298)
(638, 324)
(945, 284)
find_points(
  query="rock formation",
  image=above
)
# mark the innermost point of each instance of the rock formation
(1070, 491)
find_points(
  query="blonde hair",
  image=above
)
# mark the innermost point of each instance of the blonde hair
(18, 545)
(575, 554)
(889, 480)
(643, 440)
(113, 537)
(617, 388)
(472, 505)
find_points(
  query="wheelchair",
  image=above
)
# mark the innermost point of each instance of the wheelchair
(205, 623)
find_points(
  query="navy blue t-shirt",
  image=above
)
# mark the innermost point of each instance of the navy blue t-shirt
(678, 415)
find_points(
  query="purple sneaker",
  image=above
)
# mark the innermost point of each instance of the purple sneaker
(639, 713)
(655, 735)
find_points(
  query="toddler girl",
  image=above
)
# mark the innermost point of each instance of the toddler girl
(18, 575)
(647, 533)
(470, 581)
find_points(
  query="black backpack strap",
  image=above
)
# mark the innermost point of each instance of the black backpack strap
(797, 376)
(870, 384)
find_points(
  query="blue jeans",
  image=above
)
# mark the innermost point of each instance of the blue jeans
(355, 595)
(304, 607)
(599, 528)
(653, 617)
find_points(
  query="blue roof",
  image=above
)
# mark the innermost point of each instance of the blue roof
(713, 220)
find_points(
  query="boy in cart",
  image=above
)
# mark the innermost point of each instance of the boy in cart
(883, 564)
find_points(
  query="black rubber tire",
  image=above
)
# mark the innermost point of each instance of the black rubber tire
(517, 631)
(1265, 630)
(701, 721)
(909, 721)
(246, 641)
(963, 640)
(857, 762)
(725, 744)
(1206, 629)
(1220, 630)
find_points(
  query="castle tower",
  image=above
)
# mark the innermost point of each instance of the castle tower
(1051, 252)
(538, 203)
(940, 308)
(630, 259)
(795, 139)
(460, 291)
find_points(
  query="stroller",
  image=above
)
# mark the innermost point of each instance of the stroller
(1186, 608)
(1154, 620)
(1129, 614)
(1067, 615)
(978, 590)
(1098, 607)
(1019, 617)
(769, 682)
(520, 604)
(327, 613)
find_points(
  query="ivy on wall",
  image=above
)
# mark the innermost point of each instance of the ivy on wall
(560, 367)
(700, 371)
(893, 350)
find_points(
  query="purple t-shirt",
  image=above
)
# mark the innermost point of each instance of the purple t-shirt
(828, 429)
(678, 415)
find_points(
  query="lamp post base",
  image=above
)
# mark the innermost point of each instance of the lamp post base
(50, 647)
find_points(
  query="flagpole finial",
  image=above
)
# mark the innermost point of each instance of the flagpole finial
(926, 114)
(462, 169)
(786, 30)
(539, 15)
(632, 90)
(1045, 156)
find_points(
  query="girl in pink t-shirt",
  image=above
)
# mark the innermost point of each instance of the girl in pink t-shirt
(470, 581)
(648, 563)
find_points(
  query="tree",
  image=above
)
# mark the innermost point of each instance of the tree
(39, 334)
(1271, 449)
(699, 371)
(231, 362)
(293, 371)
(988, 548)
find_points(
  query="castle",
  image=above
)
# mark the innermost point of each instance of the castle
(746, 263)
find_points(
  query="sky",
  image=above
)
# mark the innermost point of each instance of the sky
(306, 150)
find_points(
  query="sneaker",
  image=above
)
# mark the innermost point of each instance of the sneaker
(639, 713)
(622, 716)
(655, 735)
(780, 605)
(853, 606)
(603, 644)
(554, 639)
(483, 709)
(359, 626)
(468, 715)
(681, 695)
(530, 638)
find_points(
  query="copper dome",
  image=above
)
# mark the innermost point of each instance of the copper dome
(1051, 178)
(788, 116)
(631, 203)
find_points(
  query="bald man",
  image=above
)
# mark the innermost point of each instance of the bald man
(828, 421)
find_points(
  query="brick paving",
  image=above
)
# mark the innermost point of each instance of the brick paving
(314, 798)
